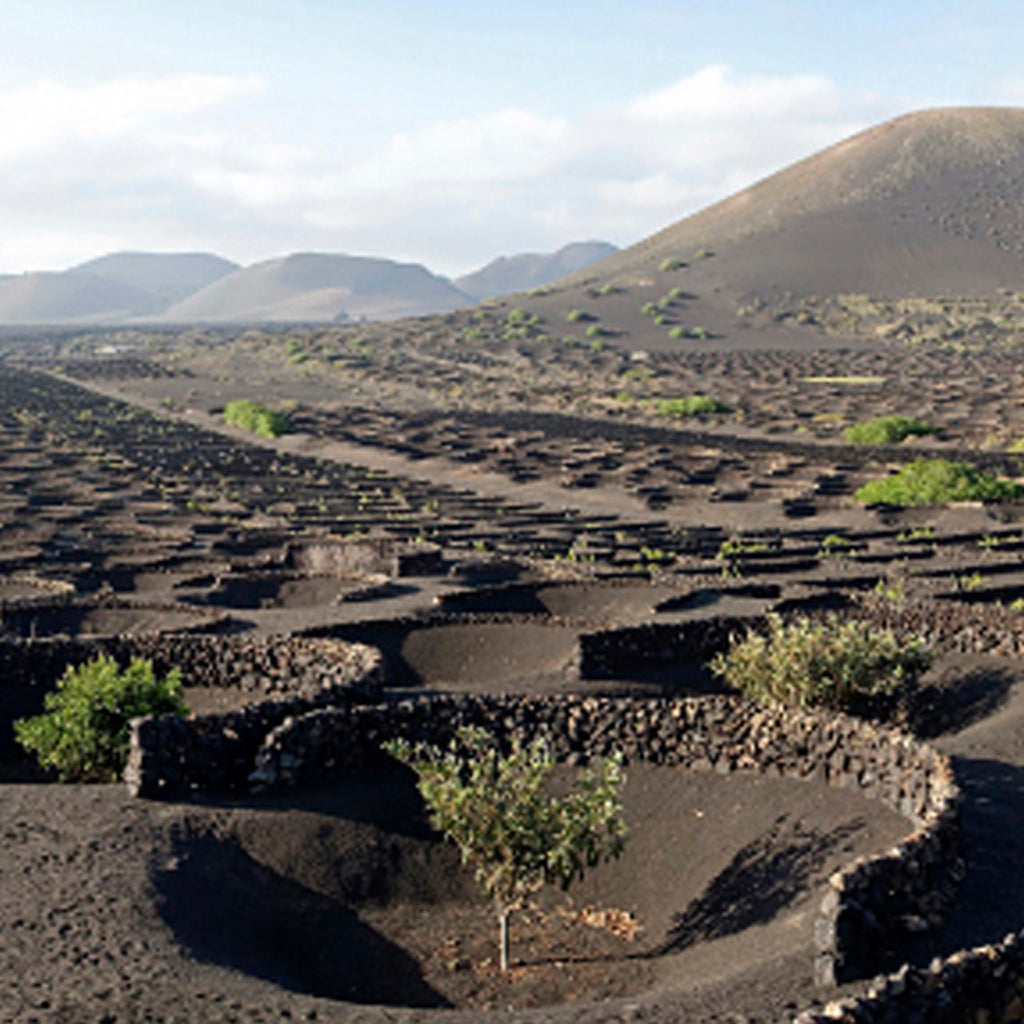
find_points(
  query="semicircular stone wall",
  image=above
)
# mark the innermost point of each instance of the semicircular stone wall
(870, 906)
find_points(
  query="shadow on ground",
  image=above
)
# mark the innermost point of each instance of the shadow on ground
(227, 908)
(763, 877)
(972, 696)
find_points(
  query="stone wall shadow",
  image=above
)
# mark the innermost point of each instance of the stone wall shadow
(228, 909)
(978, 693)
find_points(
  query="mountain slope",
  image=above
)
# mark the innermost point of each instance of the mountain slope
(928, 203)
(320, 286)
(169, 277)
(525, 271)
(66, 296)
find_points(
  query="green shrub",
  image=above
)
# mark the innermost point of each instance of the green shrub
(887, 430)
(844, 666)
(691, 405)
(499, 811)
(257, 418)
(668, 265)
(84, 731)
(936, 481)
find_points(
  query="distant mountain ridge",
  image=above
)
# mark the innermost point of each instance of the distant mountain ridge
(320, 286)
(531, 270)
(168, 276)
(129, 287)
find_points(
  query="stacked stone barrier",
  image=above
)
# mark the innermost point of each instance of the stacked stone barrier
(215, 752)
(608, 653)
(281, 675)
(983, 985)
(961, 626)
(870, 906)
(45, 593)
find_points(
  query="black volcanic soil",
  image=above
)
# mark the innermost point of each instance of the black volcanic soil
(598, 512)
(311, 902)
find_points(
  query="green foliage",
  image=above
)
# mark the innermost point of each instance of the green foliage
(84, 731)
(845, 666)
(577, 316)
(498, 810)
(691, 405)
(935, 481)
(992, 540)
(731, 553)
(668, 265)
(257, 418)
(835, 544)
(887, 430)
(915, 534)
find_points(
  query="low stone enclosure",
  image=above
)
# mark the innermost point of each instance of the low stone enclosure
(282, 676)
(323, 715)
(870, 905)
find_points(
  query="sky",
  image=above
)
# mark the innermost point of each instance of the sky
(444, 132)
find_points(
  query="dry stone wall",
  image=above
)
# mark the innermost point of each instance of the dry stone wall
(984, 985)
(608, 654)
(286, 675)
(946, 625)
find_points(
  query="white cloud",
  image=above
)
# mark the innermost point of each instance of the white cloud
(50, 114)
(715, 93)
(166, 162)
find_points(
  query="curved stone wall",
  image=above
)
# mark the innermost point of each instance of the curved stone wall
(288, 675)
(984, 985)
(870, 906)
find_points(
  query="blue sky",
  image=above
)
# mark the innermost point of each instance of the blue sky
(443, 131)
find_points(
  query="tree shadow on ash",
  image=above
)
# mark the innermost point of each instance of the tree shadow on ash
(763, 878)
(229, 909)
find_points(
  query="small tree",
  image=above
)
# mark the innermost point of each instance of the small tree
(514, 834)
(85, 731)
